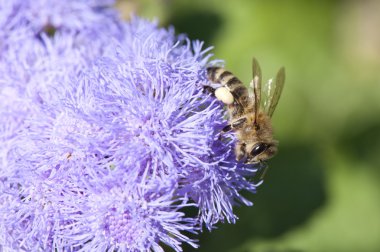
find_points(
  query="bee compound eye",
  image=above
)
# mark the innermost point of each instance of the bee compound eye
(258, 149)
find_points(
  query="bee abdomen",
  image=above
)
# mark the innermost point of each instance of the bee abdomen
(222, 76)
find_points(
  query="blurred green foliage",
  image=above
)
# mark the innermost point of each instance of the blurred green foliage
(322, 192)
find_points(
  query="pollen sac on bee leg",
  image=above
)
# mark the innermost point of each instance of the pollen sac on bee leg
(223, 94)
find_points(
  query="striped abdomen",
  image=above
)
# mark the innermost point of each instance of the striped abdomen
(224, 77)
(236, 87)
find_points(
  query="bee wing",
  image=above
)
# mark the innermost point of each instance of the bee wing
(255, 86)
(273, 91)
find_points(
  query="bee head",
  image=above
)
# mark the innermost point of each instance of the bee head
(260, 151)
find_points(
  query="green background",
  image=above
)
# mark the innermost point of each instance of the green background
(322, 191)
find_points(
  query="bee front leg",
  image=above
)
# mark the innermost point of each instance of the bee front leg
(240, 151)
(261, 171)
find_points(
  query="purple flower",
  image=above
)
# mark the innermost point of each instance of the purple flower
(22, 19)
(108, 136)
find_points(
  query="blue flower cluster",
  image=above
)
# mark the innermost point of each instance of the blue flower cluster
(106, 134)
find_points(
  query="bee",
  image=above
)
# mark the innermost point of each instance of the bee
(250, 111)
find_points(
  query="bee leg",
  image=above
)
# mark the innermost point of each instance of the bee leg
(238, 123)
(262, 170)
(235, 125)
(209, 89)
(240, 151)
(227, 128)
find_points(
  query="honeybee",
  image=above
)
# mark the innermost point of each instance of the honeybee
(250, 111)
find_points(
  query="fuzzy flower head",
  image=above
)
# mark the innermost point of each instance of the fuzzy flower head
(115, 141)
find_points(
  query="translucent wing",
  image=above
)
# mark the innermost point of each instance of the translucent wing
(256, 85)
(273, 91)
